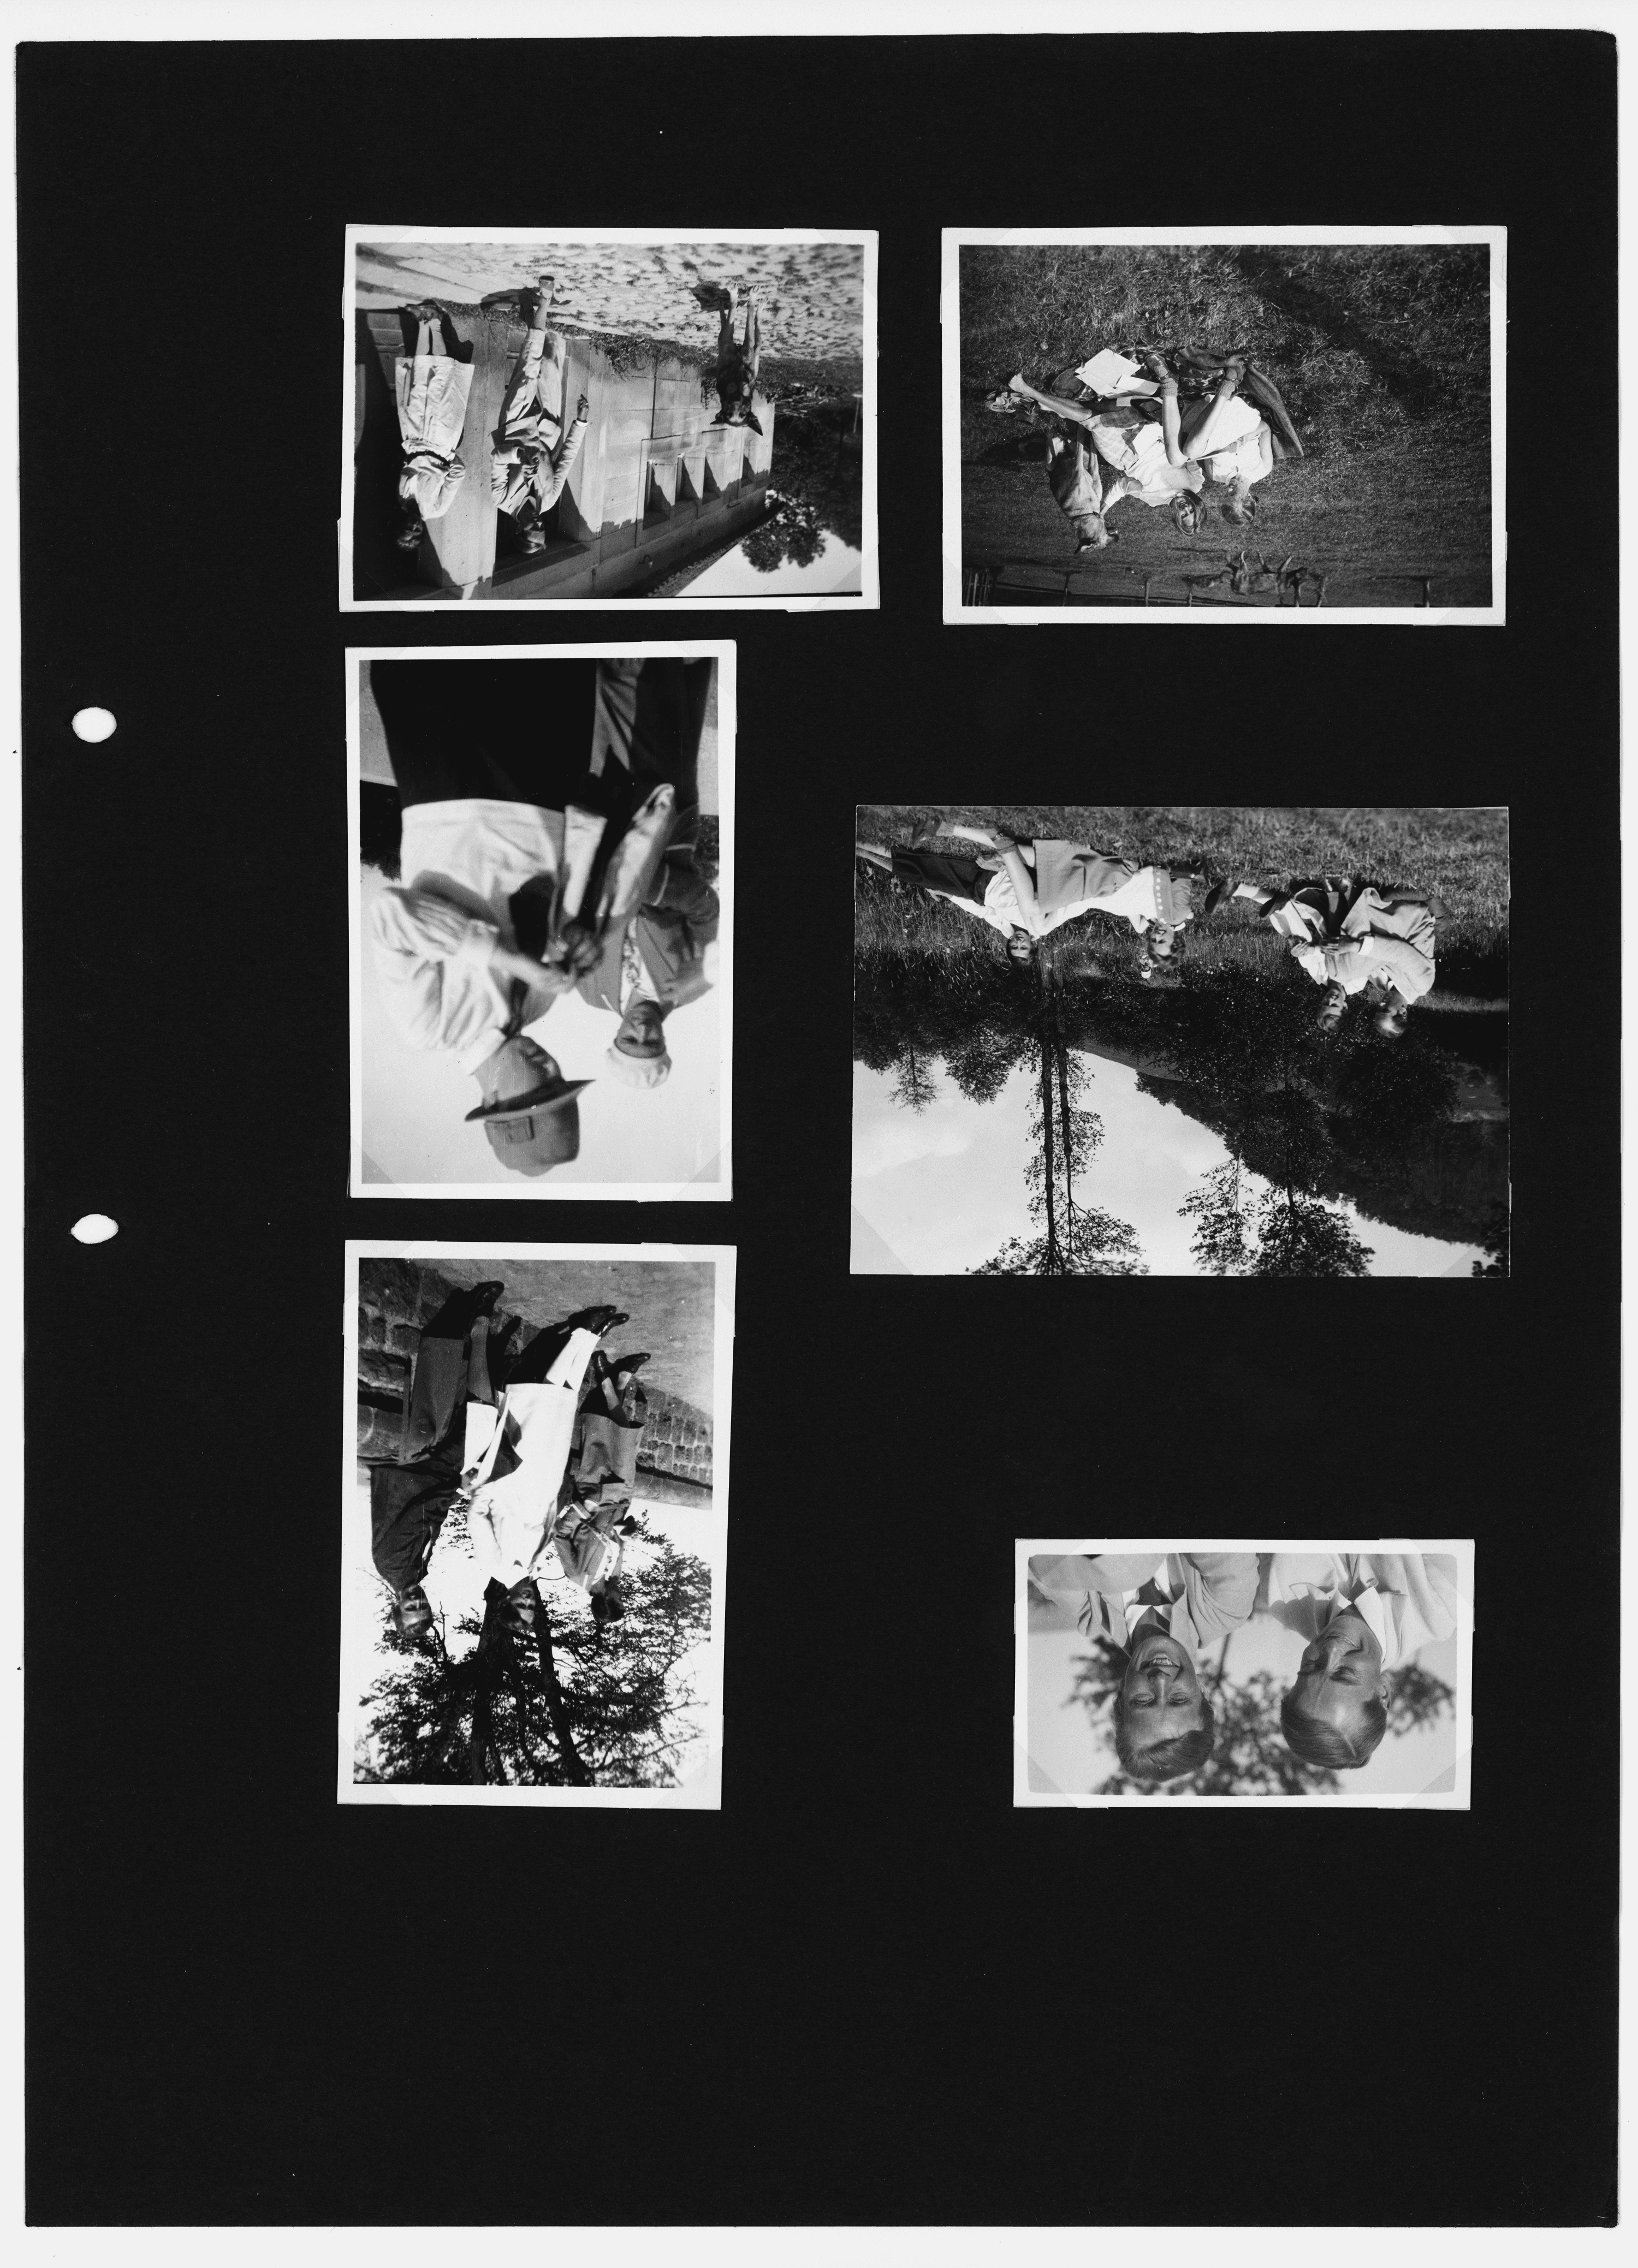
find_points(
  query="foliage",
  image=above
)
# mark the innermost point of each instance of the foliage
(1250, 1756)
(1073, 1238)
(1498, 1260)
(1381, 352)
(590, 1705)
(1348, 1119)
(819, 481)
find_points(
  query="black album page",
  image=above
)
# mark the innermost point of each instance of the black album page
(668, 684)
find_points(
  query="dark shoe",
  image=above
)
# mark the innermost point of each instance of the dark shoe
(624, 1366)
(1217, 895)
(485, 1296)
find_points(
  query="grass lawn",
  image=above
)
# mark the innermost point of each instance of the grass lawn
(1381, 352)
(1460, 856)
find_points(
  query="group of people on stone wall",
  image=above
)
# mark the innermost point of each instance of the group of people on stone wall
(533, 446)
(1360, 1615)
(538, 1442)
(1355, 938)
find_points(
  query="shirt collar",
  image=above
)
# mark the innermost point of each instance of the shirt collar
(1372, 1609)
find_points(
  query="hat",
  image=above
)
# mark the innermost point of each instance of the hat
(531, 1118)
(639, 1071)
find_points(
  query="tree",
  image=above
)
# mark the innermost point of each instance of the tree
(1297, 1235)
(1250, 1756)
(917, 1083)
(792, 535)
(1498, 1241)
(819, 481)
(580, 1704)
(1220, 1207)
(1074, 1239)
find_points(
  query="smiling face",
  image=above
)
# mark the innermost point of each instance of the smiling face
(1339, 1675)
(1160, 1694)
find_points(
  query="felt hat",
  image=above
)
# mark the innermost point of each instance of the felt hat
(531, 1116)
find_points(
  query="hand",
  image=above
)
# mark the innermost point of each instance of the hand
(583, 408)
(582, 949)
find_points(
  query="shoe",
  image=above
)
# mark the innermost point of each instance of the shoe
(485, 1296)
(1218, 892)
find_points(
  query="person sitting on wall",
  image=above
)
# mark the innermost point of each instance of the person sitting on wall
(1363, 1614)
(1026, 890)
(738, 362)
(1159, 1609)
(532, 455)
(431, 382)
(594, 1519)
(514, 1487)
(549, 811)
(1355, 937)
(410, 1496)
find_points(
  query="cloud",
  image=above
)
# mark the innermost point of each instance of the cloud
(903, 1141)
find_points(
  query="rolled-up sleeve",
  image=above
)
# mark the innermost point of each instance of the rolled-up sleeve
(1407, 966)
(433, 957)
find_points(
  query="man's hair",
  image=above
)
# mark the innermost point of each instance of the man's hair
(1185, 1752)
(608, 1606)
(1317, 1742)
(412, 528)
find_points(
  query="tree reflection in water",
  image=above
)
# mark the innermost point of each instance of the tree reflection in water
(1409, 1133)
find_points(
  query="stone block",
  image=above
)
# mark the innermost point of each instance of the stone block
(406, 1337)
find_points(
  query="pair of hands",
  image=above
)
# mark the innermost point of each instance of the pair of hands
(580, 951)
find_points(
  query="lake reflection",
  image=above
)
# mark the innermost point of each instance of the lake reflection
(1067, 1142)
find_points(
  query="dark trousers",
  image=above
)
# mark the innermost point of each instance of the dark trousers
(939, 870)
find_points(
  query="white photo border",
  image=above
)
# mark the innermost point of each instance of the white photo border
(866, 599)
(1493, 615)
(703, 1791)
(1458, 1798)
(722, 650)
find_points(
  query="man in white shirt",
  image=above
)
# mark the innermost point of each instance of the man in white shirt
(520, 785)
(1164, 459)
(532, 455)
(1363, 1614)
(1160, 1609)
(431, 385)
(515, 1489)
(1355, 937)
(1027, 890)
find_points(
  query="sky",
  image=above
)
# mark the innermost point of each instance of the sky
(416, 1100)
(455, 1585)
(939, 1192)
(837, 569)
(1075, 1752)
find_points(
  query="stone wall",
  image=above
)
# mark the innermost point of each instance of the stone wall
(396, 1297)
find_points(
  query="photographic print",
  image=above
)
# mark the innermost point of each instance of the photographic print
(620, 415)
(1200, 424)
(1272, 1673)
(535, 1494)
(1109, 1040)
(542, 865)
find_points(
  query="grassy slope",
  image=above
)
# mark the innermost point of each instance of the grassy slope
(1460, 856)
(1381, 354)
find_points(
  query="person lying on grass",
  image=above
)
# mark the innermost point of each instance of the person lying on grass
(1355, 938)
(1160, 1609)
(1362, 1614)
(1153, 447)
(1026, 890)
(431, 382)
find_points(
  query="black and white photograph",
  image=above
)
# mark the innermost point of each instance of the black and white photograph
(1335, 1673)
(1098, 1039)
(619, 416)
(535, 1524)
(541, 869)
(1305, 423)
